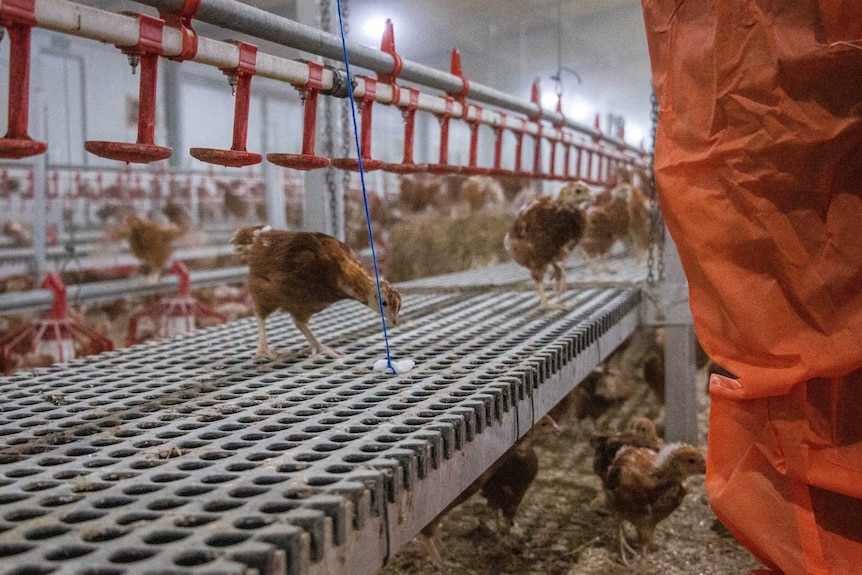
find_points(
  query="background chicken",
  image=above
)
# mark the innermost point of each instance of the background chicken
(303, 273)
(506, 486)
(236, 205)
(606, 222)
(21, 234)
(644, 487)
(151, 242)
(177, 213)
(638, 238)
(641, 432)
(507, 481)
(544, 233)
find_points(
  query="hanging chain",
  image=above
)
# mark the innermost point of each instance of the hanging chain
(327, 143)
(346, 119)
(655, 263)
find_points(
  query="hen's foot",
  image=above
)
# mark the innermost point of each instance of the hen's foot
(314, 351)
(267, 353)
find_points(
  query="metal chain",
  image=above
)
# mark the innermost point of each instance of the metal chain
(329, 121)
(655, 263)
(346, 118)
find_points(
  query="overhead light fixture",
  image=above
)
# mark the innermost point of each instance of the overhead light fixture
(549, 100)
(374, 27)
(580, 109)
(634, 133)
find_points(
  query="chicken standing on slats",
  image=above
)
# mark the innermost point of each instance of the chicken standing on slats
(644, 487)
(544, 233)
(607, 222)
(303, 273)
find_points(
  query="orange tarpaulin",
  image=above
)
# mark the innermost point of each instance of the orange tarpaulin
(759, 169)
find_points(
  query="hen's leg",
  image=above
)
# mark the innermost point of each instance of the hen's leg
(627, 552)
(543, 301)
(263, 349)
(559, 283)
(430, 546)
(315, 347)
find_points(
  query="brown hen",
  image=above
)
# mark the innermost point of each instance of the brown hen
(644, 487)
(20, 233)
(506, 486)
(544, 233)
(151, 242)
(641, 432)
(303, 273)
(509, 478)
(607, 222)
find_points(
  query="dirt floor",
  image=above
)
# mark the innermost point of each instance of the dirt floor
(562, 530)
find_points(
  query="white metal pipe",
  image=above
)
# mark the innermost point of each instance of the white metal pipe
(42, 299)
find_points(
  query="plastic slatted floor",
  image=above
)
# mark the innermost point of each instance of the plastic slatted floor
(185, 456)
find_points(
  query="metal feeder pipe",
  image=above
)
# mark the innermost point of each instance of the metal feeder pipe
(240, 17)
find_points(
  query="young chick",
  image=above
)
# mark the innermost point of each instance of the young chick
(644, 487)
(544, 233)
(303, 273)
(151, 242)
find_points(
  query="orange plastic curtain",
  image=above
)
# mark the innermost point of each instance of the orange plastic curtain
(759, 169)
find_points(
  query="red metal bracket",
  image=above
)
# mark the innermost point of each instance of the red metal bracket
(18, 17)
(561, 138)
(471, 169)
(307, 160)
(598, 126)
(499, 133)
(537, 153)
(144, 151)
(519, 148)
(536, 99)
(407, 166)
(443, 166)
(240, 78)
(387, 45)
(456, 70)
(182, 19)
(366, 106)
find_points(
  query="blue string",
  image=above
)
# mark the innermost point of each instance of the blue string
(362, 181)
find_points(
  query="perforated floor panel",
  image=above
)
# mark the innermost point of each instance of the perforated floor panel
(185, 456)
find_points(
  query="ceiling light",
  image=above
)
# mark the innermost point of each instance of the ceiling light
(634, 133)
(580, 109)
(374, 27)
(549, 100)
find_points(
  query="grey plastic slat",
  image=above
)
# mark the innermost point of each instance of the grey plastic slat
(185, 456)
